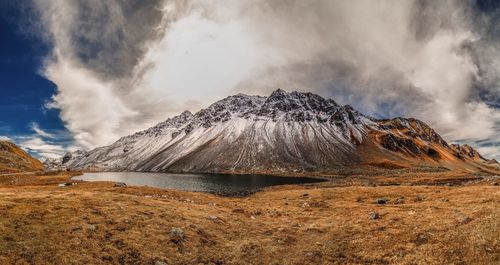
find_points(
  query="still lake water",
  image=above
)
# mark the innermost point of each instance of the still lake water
(224, 184)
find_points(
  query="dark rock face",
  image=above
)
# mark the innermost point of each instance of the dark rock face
(396, 144)
(466, 151)
(66, 158)
(433, 153)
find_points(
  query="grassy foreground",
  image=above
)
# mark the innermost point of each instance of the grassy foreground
(96, 223)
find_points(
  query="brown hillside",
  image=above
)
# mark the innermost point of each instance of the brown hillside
(13, 159)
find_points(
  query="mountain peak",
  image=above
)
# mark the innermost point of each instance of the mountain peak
(278, 93)
(284, 131)
(295, 102)
(186, 113)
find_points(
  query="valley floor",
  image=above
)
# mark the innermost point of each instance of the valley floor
(97, 223)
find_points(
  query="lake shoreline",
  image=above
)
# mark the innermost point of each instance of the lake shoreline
(227, 185)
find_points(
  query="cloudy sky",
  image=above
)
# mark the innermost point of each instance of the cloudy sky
(78, 74)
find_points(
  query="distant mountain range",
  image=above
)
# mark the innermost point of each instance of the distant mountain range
(13, 159)
(282, 133)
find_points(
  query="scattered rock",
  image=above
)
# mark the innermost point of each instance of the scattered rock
(159, 262)
(304, 195)
(286, 240)
(177, 235)
(419, 198)
(238, 210)
(360, 199)
(464, 220)
(120, 185)
(92, 227)
(381, 201)
(213, 218)
(400, 200)
(444, 200)
(374, 216)
(257, 212)
(65, 184)
(496, 184)
(421, 239)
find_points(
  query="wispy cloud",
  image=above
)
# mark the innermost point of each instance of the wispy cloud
(36, 128)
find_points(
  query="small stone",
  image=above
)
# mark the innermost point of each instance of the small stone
(374, 216)
(381, 201)
(213, 218)
(92, 227)
(464, 220)
(400, 200)
(444, 200)
(107, 258)
(159, 262)
(305, 195)
(177, 235)
(120, 185)
(419, 198)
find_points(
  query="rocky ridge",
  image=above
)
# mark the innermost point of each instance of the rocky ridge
(285, 132)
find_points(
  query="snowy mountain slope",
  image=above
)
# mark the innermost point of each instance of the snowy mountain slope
(284, 132)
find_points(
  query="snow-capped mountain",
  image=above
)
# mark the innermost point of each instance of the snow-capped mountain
(285, 132)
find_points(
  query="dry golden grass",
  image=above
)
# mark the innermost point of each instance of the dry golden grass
(96, 223)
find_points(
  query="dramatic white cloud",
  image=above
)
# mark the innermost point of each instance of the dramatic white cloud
(123, 66)
(39, 147)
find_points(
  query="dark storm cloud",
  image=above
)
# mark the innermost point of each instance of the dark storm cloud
(111, 37)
